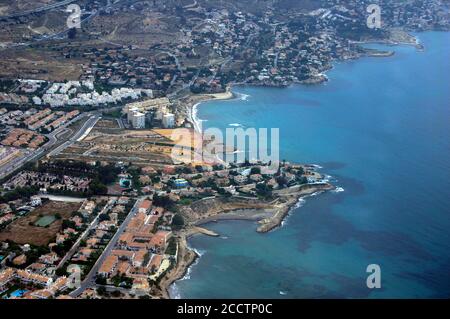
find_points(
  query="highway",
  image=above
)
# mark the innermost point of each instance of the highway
(16, 163)
(86, 128)
(90, 278)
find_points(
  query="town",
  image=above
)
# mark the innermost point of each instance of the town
(92, 203)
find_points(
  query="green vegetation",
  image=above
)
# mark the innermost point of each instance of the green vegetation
(100, 280)
(172, 247)
(122, 281)
(19, 192)
(62, 249)
(117, 114)
(100, 175)
(177, 222)
(45, 221)
(61, 271)
(162, 201)
(264, 191)
(185, 202)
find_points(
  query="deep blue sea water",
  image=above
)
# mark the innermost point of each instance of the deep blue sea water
(380, 127)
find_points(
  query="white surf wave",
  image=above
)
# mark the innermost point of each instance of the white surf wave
(242, 96)
(199, 252)
(197, 122)
(299, 204)
(314, 194)
(174, 291)
(339, 190)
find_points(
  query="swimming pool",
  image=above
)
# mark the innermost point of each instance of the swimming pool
(18, 293)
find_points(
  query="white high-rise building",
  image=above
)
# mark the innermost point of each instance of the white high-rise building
(168, 120)
(130, 113)
(138, 120)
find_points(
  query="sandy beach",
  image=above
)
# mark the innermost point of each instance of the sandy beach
(267, 215)
(194, 101)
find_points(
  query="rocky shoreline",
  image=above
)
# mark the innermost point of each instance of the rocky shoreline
(274, 213)
(285, 208)
(268, 215)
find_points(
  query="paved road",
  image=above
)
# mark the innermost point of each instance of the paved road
(59, 35)
(86, 128)
(219, 69)
(93, 224)
(36, 154)
(90, 278)
(37, 10)
(60, 198)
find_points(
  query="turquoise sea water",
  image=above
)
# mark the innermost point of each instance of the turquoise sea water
(380, 128)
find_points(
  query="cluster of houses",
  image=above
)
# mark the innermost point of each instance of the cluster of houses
(23, 138)
(39, 277)
(47, 288)
(103, 231)
(13, 98)
(115, 67)
(36, 120)
(49, 120)
(83, 93)
(205, 180)
(48, 182)
(140, 251)
(7, 215)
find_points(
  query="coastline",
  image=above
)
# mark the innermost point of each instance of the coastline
(196, 100)
(267, 222)
(268, 218)
(281, 210)
(397, 38)
(284, 209)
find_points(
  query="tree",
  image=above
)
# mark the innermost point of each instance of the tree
(302, 180)
(72, 33)
(263, 190)
(101, 291)
(255, 170)
(162, 201)
(224, 192)
(61, 272)
(177, 222)
(172, 247)
(103, 217)
(100, 280)
(282, 181)
(68, 224)
(98, 188)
